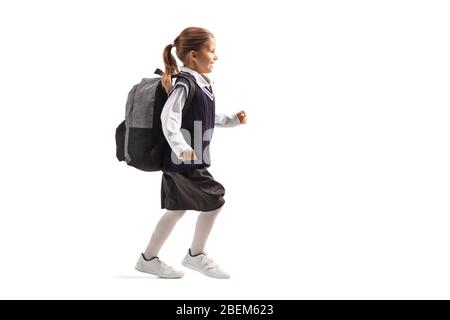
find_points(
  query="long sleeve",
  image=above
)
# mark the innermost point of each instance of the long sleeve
(226, 120)
(171, 116)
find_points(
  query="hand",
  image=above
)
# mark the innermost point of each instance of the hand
(242, 116)
(188, 154)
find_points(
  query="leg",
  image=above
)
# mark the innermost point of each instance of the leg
(162, 232)
(204, 225)
(196, 259)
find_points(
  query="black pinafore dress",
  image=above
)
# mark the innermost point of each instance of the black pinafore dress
(188, 185)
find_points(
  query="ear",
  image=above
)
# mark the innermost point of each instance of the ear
(192, 54)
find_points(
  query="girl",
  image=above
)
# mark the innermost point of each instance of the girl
(186, 183)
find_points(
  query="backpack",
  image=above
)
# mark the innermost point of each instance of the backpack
(140, 141)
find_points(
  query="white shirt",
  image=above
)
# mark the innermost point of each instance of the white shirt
(171, 114)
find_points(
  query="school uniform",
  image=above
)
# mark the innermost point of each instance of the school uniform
(188, 185)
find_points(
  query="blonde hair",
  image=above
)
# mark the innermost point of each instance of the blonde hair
(192, 38)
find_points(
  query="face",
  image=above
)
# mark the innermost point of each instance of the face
(203, 60)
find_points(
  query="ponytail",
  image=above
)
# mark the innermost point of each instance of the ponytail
(171, 68)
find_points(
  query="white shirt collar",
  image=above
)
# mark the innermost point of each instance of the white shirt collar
(198, 77)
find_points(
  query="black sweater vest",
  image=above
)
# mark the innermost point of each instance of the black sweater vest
(197, 127)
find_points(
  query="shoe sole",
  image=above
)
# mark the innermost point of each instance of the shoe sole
(163, 277)
(187, 265)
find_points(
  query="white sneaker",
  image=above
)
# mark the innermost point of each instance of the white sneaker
(204, 264)
(158, 268)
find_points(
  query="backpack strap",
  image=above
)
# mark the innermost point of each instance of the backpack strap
(159, 72)
(191, 80)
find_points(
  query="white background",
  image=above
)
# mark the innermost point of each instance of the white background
(337, 188)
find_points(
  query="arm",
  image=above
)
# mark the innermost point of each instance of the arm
(171, 116)
(226, 120)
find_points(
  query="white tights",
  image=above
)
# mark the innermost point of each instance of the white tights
(205, 222)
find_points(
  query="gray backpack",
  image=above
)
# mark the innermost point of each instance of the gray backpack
(140, 141)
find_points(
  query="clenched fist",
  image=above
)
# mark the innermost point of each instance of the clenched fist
(242, 116)
(188, 154)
